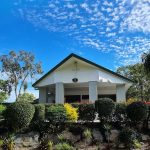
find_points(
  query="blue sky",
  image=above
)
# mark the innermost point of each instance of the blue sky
(111, 33)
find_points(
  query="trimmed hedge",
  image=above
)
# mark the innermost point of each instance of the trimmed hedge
(104, 107)
(56, 113)
(19, 115)
(86, 111)
(137, 111)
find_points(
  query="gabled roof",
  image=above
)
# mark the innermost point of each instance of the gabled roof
(85, 60)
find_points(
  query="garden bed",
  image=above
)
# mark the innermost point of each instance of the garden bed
(72, 127)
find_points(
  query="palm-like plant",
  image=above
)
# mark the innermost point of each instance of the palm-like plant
(146, 61)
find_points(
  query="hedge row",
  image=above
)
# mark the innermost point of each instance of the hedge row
(20, 114)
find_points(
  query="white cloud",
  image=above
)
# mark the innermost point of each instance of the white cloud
(122, 26)
(139, 18)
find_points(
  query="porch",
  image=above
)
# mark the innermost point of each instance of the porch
(86, 92)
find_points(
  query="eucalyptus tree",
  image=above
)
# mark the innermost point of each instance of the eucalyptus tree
(19, 67)
(5, 90)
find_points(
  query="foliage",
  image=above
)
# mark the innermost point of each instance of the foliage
(146, 61)
(19, 67)
(86, 111)
(120, 114)
(61, 137)
(50, 145)
(137, 144)
(1, 143)
(104, 107)
(131, 100)
(2, 109)
(140, 88)
(45, 144)
(137, 111)
(120, 108)
(107, 127)
(63, 146)
(72, 114)
(7, 142)
(56, 113)
(19, 115)
(39, 117)
(76, 129)
(5, 90)
(39, 112)
(3, 97)
(29, 97)
(127, 137)
(87, 134)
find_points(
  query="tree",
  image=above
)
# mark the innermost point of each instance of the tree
(141, 86)
(29, 97)
(5, 90)
(19, 67)
(146, 61)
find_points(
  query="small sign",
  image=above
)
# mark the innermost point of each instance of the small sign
(75, 80)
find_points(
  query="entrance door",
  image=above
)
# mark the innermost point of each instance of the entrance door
(72, 98)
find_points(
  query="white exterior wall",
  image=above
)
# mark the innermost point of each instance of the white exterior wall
(42, 95)
(59, 93)
(120, 93)
(93, 94)
(84, 73)
(107, 77)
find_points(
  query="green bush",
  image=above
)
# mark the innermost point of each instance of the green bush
(19, 115)
(76, 129)
(39, 117)
(39, 114)
(86, 111)
(127, 136)
(137, 111)
(63, 146)
(56, 113)
(104, 107)
(2, 109)
(120, 114)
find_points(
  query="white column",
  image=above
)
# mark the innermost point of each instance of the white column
(59, 93)
(120, 92)
(42, 95)
(93, 95)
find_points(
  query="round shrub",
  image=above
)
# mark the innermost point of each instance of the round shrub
(56, 113)
(137, 111)
(104, 107)
(39, 114)
(71, 112)
(19, 115)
